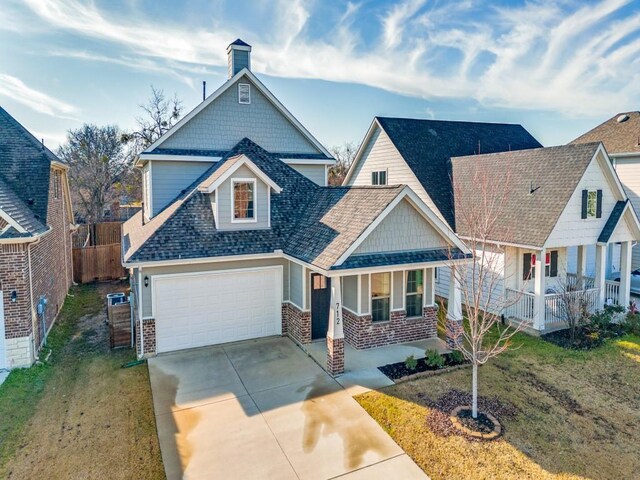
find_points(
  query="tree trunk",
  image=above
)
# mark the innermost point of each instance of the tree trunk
(474, 388)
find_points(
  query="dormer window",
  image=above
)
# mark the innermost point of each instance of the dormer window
(244, 207)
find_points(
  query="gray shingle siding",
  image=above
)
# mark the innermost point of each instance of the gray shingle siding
(297, 271)
(223, 123)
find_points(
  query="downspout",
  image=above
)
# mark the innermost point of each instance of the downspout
(140, 312)
(33, 323)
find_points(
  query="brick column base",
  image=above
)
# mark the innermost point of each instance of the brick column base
(454, 330)
(335, 356)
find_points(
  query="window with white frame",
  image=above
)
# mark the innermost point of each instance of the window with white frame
(380, 296)
(244, 209)
(379, 177)
(244, 93)
(414, 293)
(592, 203)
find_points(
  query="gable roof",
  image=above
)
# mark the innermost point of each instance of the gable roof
(262, 89)
(523, 218)
(23, 157)
(622, 208)
(428, 145)
(617, 137)
(228, 168)
(308, 222)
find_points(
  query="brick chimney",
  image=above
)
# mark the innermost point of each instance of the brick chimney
(239, 56)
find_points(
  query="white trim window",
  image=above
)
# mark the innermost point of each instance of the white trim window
(592, 203)
(380, 297)
(244, 93)
(379, 177)
(414, 293)
(243, 198)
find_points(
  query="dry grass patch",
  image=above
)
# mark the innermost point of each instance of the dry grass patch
(577, 414)
(80, 415)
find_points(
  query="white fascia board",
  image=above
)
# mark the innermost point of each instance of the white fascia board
(7, 218)
(32, 239)
(195, 261)
(610, 171)
(173, 158)
(58, 164)
(244, 160)
(308, 161)
(223, 88)
(624, 155)
(508, 244)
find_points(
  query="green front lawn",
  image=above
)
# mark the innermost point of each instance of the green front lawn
(577, 414)
(79, 415)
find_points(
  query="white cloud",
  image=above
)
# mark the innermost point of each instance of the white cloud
(15, 89)
(550, 56)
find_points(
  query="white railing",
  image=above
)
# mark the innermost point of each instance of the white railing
(556, 304)
(612, 292)
(520, 305)
(587, 282)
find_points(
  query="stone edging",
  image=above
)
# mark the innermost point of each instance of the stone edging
(497, 429)
(431, 373)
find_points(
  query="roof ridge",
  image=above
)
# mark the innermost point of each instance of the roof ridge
(468, 122)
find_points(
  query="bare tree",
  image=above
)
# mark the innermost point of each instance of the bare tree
(98, 161)
(572, 304)
(344, 155)
(480, 205)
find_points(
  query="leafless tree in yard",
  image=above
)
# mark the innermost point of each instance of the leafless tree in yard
(480, 204)
(572, 304)
(344, 155)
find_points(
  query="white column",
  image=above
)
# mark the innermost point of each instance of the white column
(335, 329)
(454, 303)
(625, 274)
(601, 272)
(581, 265)
(539, 290)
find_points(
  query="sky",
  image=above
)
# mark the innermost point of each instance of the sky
(559, 68)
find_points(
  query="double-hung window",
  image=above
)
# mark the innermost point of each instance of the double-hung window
(244, 209)
(380, 296)
(379, 177)
(414, 293)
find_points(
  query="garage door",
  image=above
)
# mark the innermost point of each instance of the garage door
(209, 308)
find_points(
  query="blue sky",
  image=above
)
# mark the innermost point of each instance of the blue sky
(557, 67)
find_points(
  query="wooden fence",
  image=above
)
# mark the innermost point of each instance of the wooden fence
(96, 252)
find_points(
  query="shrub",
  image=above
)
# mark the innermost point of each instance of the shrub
(456, 356)
(411, 363)
(631, 323)
(433, 358)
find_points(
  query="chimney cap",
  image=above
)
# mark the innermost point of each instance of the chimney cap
(239, 45)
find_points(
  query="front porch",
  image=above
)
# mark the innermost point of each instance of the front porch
(539, 298)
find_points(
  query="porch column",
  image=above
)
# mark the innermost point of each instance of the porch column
(454, 309)
(625, 274)
(540, 289)
(581, 265)
(601, 272)
(335, 332)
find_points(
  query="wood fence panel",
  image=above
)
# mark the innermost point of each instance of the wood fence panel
(101, 262)
(107, 233)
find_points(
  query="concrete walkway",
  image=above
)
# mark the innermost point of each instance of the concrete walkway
(264, 409)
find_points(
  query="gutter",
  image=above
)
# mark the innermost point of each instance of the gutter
(34, 239)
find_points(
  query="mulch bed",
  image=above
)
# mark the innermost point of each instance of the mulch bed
(586, 338)
(398, 370)
(438, 420)
(482, 424)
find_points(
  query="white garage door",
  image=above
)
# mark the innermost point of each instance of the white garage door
(209, 308)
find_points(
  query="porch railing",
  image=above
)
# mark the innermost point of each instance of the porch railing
(556, 305)
(520, 305)
(611, 287)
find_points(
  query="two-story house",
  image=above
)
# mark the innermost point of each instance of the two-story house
(240, 237)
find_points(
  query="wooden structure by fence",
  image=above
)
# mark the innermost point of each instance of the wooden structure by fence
(96, 252)
(119, 324)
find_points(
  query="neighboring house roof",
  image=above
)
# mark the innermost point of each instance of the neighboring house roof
(612, 221)
(507, 179)
(314, 224)
(619, 134)
(25, 165)
(428, 145)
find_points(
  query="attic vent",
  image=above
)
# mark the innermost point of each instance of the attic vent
(622, 118)
(244, 93)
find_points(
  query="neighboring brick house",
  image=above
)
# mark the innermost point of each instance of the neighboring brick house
(240, 237)
(36, 222)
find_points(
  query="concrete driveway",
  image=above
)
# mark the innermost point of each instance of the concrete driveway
(264, 409)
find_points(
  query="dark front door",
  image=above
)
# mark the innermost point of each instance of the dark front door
(320, 299)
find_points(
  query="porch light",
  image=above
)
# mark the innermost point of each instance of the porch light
(14, 296)
(146, 281)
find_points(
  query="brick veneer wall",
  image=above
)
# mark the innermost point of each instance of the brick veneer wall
(296, 323)
(51, 273)
(361, 332)
(335, 355)
(149, 329)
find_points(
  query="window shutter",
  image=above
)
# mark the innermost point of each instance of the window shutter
(553, 270)
(526, 266)
(585, 196)
(599, 205)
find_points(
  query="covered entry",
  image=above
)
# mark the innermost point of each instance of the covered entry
(208, 308)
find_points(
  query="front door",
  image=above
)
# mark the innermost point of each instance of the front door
(320, 300)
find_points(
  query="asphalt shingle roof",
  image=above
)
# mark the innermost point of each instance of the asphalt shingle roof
(617, 137)
(309, 222)
(506, 180)
(402, 258)
(612, 221)
(428, 145)
(222, 153)
(25, 166)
